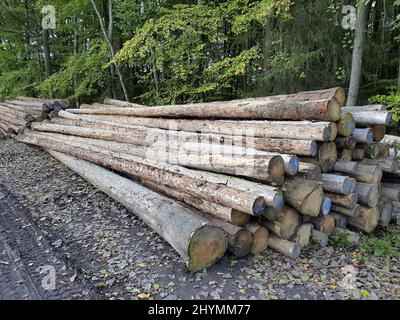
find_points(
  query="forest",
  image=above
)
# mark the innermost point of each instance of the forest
(158, 52)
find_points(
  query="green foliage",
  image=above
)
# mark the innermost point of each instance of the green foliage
(388, 245)
(87, 67)
(392, 101)
(342, 241)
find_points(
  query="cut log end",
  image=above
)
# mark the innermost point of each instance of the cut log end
(326, 206)
(334, 110)
(239, 218)
(259, 206)
(379, 131)
(346, 125)
(240, 244)
(260, 241)
(207, 245)
(327, 156)
(276, 169)
(340, 96)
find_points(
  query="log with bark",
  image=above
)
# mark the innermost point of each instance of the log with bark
(368, 194)
(372, 117)
(348, 212)
(362, 173)
(303, 195)
(283, 223)
(388, 165)
(335, 183)
(303, 235)
(367, 220)
(200, 243)
(168, 175)
(288, 248)
(326, 156)
(298, 130)
(323, 224)
(268, 108)
(347, 201)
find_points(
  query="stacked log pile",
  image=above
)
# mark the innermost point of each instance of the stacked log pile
(18, 114)
(280, 172)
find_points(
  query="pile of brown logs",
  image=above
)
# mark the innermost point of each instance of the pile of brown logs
(243, 175)
(18, 114)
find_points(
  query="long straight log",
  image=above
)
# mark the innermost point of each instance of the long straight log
(362, 173)
(9, 127)
(194, 238)
(285, 247)
(165, 174)
(367, 220)
(233, 216)
(368, 194)
(121, 103)
(347, 201)
(283, 223)
(303, 130)
(303, 195)
(372, 107)
(272, 196)
(63, 102)
(227, 159)
(282, 146)
(346, 124)
(263, 108)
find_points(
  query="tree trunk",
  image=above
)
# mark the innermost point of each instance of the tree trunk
(303, 235)
(303, 130)
(256, 108)
(158, 173)
(109, 42)
(46, 52)
(324, 224)
(359, 44)
(319, 238)
(199, 243)
(387, 165)
(235, 217)
(367, 118)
